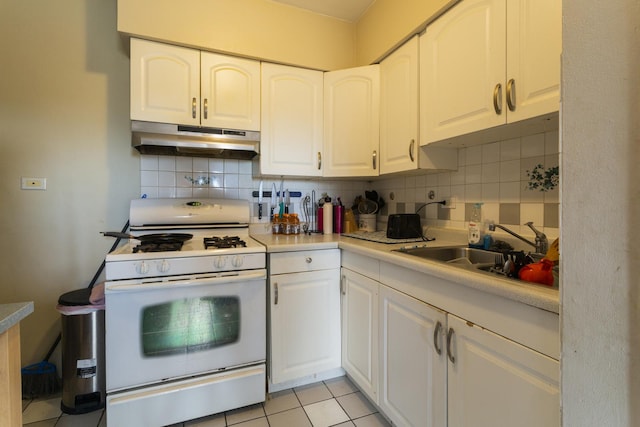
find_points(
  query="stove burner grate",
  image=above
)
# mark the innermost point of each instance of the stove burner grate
(224, 242)
(158, 247)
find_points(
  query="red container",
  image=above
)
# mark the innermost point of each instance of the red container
(338, 218)
(319, 216)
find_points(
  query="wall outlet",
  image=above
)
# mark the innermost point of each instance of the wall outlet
(450, 203)
(33, 183)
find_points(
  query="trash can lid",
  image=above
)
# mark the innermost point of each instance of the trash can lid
(77, 297)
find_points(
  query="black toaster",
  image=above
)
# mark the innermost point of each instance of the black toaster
(404, 226)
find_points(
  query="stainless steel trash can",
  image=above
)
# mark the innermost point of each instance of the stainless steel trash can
(83, 372)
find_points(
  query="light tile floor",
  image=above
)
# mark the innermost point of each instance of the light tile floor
(335, 402)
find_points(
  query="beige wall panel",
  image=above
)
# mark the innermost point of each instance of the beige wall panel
(388, 23)
(259, 29)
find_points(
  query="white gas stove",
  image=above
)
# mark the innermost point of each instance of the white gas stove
(185, 310)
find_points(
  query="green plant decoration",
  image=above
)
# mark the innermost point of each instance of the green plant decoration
(543, 180)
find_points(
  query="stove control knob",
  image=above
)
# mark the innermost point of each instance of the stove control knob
(238, 261)
(164, 266)
(142, 268)
(220, 262)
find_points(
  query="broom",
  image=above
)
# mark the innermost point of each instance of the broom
(41, 379)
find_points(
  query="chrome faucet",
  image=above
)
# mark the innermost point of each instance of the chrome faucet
(541, 244)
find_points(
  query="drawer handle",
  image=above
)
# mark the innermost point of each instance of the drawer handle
(308, 260)
(436, 332)
(449, 338)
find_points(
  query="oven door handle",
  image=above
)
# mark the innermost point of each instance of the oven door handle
(206, 281)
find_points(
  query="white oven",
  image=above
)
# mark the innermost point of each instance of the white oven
(185, 329)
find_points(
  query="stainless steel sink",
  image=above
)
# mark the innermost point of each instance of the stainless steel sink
(454, 254)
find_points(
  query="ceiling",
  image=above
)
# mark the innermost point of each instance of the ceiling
(348, 10)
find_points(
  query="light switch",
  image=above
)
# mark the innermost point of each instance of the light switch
(33, 183)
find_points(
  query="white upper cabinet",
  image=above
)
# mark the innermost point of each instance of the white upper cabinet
(534, 46)
(292, 121)
(485, 63)
(399, 109)
(230, 89)
(351, 121)
(171, 84)
(165, 83)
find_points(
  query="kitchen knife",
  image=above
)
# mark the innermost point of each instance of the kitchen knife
(274, 194)
(260, 201)
(281, 201)
(287, 201)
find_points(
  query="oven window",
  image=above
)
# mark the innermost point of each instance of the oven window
(190, 325)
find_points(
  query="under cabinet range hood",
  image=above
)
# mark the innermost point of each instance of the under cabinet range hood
(194, 141)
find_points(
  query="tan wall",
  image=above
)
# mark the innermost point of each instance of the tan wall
(389, 22)
(64, 115)
(253, 28)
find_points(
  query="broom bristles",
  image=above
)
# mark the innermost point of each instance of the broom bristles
(39, 379)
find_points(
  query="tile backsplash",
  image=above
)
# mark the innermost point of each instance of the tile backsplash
(494, 174)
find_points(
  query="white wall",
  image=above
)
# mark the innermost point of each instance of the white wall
(600, 222)
(64, 115)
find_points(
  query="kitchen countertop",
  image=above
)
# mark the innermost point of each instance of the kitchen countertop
(13, 313)
(539, 296)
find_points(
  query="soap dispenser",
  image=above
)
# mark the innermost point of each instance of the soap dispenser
(475, 226)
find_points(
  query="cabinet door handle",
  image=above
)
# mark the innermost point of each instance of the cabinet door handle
(319, 160)
(193, 107)
(275, 292)
(206, 108)
(511, 95)
(449, 353)
(436, 332)
(308, 260)
(343, 289)
(497, 99)
(375, 159)
(411, 147)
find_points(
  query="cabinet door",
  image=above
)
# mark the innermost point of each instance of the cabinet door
(412, 361)
(351, 121)
(291, 138)
(534, 45)
(165, 83)
(399, 109)
(360, 331)
(462, 71)
(305, 324)
(496, 382)
(230, 89)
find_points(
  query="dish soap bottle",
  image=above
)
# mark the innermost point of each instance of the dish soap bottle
(475, 226)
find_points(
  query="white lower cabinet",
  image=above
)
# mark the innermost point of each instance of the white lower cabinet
(304, 317)
(360, 331)
(413, 367)
(424, 366)
(494, 381)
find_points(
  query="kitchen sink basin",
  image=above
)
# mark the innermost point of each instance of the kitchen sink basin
(453, 254)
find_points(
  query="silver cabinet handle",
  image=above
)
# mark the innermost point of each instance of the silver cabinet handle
(319, 160)
(206, 108)
(308, 260)
(511, 95)
(375, 159)
(193, 108)
(343, 289)
(436, 332)
(411, 147)
(449, 353)
(497, 99)
(275, 292)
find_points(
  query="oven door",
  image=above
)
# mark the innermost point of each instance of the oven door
(157, 331)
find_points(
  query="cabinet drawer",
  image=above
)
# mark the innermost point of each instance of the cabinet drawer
(362, 264)
(301, 261)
